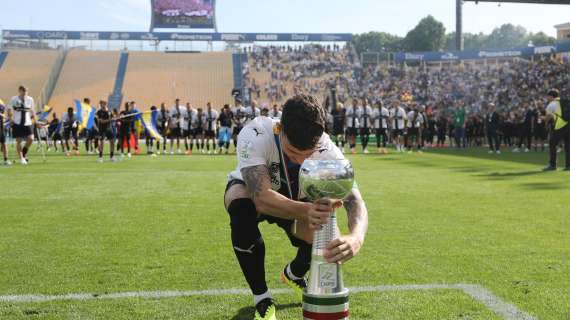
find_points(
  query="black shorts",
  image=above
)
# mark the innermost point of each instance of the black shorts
(197, 132)
(106, 134)
(353, 132)
(175, 133)
(365, 131)
(186, 133)
(540, 132)
(210, 134)
(413, 132)
(285, 224)
(70, 133)
(381, 131)
(21, 132)
(397, 132)
(2, 137)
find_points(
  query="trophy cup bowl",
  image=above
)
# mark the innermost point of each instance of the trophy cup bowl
(325, 296)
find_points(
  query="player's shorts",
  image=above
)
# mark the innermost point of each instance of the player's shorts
(186, 133)
(353, 132)
(198, 132)
(106, 134)
(210, 134)
(21, 132)
(381, 131)
(413, 132)
(365, 131)
(2, 138)
(285, 224)
(174, 133)
(397, 132)
(540, 132)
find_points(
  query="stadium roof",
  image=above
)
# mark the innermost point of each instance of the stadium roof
(524, 1)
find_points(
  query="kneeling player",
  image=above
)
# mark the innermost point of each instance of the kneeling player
(265, 187)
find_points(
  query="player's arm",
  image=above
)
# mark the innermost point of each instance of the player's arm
(346, 247)
(267, 201)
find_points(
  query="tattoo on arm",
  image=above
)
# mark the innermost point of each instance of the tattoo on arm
(357, 213)
(256, 179)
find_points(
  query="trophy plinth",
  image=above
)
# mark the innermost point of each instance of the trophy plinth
(325, 296)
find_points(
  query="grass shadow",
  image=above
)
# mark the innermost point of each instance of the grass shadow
(542, 186)
(509, 175)
(536, 158)
(247, 313)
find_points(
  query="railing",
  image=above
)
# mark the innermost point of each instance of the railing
(49, 85)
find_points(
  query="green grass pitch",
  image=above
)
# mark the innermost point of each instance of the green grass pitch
(158, 224)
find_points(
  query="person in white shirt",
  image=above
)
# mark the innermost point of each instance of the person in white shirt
(365, 119)
(162, 122)
(265, 187)
(275, 113)
(238, 118)
(198, 123)
(560, 129)
(187, 114)
(21, 115)
(211, 127)
(380, 117)
(176, 123)
(398, 118)
(415, 121)
(352, 125)
(252, 112)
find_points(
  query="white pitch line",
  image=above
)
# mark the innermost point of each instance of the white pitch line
(478, 293)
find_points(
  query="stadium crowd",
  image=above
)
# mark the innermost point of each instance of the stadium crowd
(501, 105)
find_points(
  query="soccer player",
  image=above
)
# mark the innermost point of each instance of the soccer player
(162, 126)
(175, 123)
(339, 120)
(528, 126)
(352, 125)
(3, 146)
(398, 117)
(365, 117)
(459, 124)
(210, 127)
(103, 119)
(265, 187)
(70, 124)
(380, 117)
(414, 124)
(125, 129)
(187, 126)
(198, 123)
(21, 115)
(540, 132)
(239, 118)
(225, 135)
(560, 130)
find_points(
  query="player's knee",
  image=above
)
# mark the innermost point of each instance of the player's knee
(243, 222)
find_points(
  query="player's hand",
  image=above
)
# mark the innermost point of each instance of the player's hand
(342, 249)
(320, 211)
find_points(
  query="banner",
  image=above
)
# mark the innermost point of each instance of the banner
(183, 14)
(174, 36)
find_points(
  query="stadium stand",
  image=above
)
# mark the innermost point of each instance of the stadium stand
(26, 67)
(153, 78)
(85, 74)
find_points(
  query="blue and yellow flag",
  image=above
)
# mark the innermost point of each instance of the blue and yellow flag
(43, 116)
(138, 121)
(85, 115)
(149, 120)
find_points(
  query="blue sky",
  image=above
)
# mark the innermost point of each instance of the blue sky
(352, 16)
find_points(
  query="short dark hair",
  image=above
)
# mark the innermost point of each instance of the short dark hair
(22, 88)
(553, 93)
(303, 121)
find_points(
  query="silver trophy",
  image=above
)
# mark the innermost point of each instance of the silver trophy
(325, 296)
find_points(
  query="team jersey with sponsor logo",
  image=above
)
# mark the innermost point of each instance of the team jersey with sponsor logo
(365, 117)
(239, 116)
(211, 121)
(352, 117)
(399, 118)
(22, 110)
(257, 145)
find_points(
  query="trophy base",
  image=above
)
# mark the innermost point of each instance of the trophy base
(325, 306)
